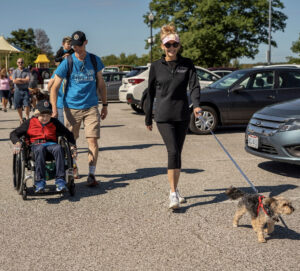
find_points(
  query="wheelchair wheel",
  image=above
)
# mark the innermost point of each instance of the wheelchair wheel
(68, 164)
(19, 171)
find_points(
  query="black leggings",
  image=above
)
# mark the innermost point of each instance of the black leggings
(173, 134)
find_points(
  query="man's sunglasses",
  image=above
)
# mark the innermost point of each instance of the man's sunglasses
(168, 45)
(20, 62)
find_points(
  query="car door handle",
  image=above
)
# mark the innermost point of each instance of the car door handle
(271, 97)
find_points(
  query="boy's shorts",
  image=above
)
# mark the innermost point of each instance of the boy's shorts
(90, 118)
(21, 97)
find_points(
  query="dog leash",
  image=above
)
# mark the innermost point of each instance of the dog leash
(201, 119)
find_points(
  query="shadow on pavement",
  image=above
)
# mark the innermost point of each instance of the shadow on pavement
(118, 181)
(283, 169)
(112, 126)
(220, 197)
(279, 232)
(131, 147)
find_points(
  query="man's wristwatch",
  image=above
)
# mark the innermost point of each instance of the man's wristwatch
(105, 104)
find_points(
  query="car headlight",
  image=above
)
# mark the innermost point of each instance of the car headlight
(290, 125)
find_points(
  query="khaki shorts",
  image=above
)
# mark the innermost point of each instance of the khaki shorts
(90, 118)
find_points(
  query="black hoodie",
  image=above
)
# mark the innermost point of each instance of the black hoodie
(168, 84)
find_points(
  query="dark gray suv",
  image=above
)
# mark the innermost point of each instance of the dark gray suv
(236, 97)
(274, 132)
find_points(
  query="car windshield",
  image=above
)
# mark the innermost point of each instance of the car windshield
(228, 80)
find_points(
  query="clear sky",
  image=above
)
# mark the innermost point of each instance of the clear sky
(115, 26)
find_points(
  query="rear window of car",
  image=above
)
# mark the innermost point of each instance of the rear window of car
(135, 72)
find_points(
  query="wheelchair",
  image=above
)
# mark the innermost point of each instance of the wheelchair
(24, 167)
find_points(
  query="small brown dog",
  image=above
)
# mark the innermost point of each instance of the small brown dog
(263, 210)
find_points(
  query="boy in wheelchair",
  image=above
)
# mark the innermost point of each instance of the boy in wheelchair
(42, 132)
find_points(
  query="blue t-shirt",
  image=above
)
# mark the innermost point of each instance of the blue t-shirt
(82, 91)
(60, 95)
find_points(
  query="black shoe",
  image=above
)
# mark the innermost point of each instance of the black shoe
(91, 180)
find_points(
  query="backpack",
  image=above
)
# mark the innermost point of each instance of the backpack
(70, 68)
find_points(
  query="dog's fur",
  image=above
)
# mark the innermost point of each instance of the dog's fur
(274, 207)
(39, 95)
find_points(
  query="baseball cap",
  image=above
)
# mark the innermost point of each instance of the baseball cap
(44, 107)
(78, 38)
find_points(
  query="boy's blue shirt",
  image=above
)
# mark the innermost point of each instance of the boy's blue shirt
(82, 91)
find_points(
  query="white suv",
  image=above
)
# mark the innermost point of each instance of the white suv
(132, 88)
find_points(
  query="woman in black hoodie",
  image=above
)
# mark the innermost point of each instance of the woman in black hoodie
(169, 79)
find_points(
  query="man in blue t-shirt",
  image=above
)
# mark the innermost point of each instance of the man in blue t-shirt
(81, 97)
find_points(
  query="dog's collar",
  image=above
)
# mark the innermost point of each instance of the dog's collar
(266, 210)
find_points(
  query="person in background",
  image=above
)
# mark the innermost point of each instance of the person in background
(21, 78)
(33, 84)
(169, 78)
(65, 50)
(4, 88)
(11, 89)
(81, 97)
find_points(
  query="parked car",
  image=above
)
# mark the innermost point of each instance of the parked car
(133, 88)
(118, 68)
(222, 73)
(234, 98)
(136, 81)
(274, 132)
(113, 81)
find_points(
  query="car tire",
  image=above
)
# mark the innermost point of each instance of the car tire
(137, 108)
(211, 121)
(45, 75)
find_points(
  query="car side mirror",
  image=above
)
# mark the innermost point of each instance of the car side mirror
(214, 78)
(237, 88)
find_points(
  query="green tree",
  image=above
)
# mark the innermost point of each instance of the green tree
(213, 32)
(295, 49)
(24, 39)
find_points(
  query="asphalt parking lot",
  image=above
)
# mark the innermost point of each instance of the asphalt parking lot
(125, 224)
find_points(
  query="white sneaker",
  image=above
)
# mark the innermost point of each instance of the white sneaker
(180, 198)
(174, 201)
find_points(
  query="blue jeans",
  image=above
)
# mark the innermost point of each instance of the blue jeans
(60, 113)
(21, 97)
(40, 152)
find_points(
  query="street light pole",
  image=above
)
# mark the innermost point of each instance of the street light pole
(151, 18)
(269, 37)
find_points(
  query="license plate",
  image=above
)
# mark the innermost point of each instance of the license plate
(253, 141)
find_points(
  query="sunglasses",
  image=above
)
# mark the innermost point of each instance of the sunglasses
(20, 62)
(168, 45)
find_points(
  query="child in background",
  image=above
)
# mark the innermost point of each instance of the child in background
(65, 50)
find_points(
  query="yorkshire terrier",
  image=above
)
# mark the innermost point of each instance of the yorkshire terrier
(263, 210)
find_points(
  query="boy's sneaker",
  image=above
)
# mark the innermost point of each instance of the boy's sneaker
(40, 186)
(61, 185)
(180, 198)
(174, 201)
(91, 180)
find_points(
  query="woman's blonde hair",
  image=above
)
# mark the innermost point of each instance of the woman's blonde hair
(167, 30)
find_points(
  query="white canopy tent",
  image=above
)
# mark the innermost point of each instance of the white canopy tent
(6, 49)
